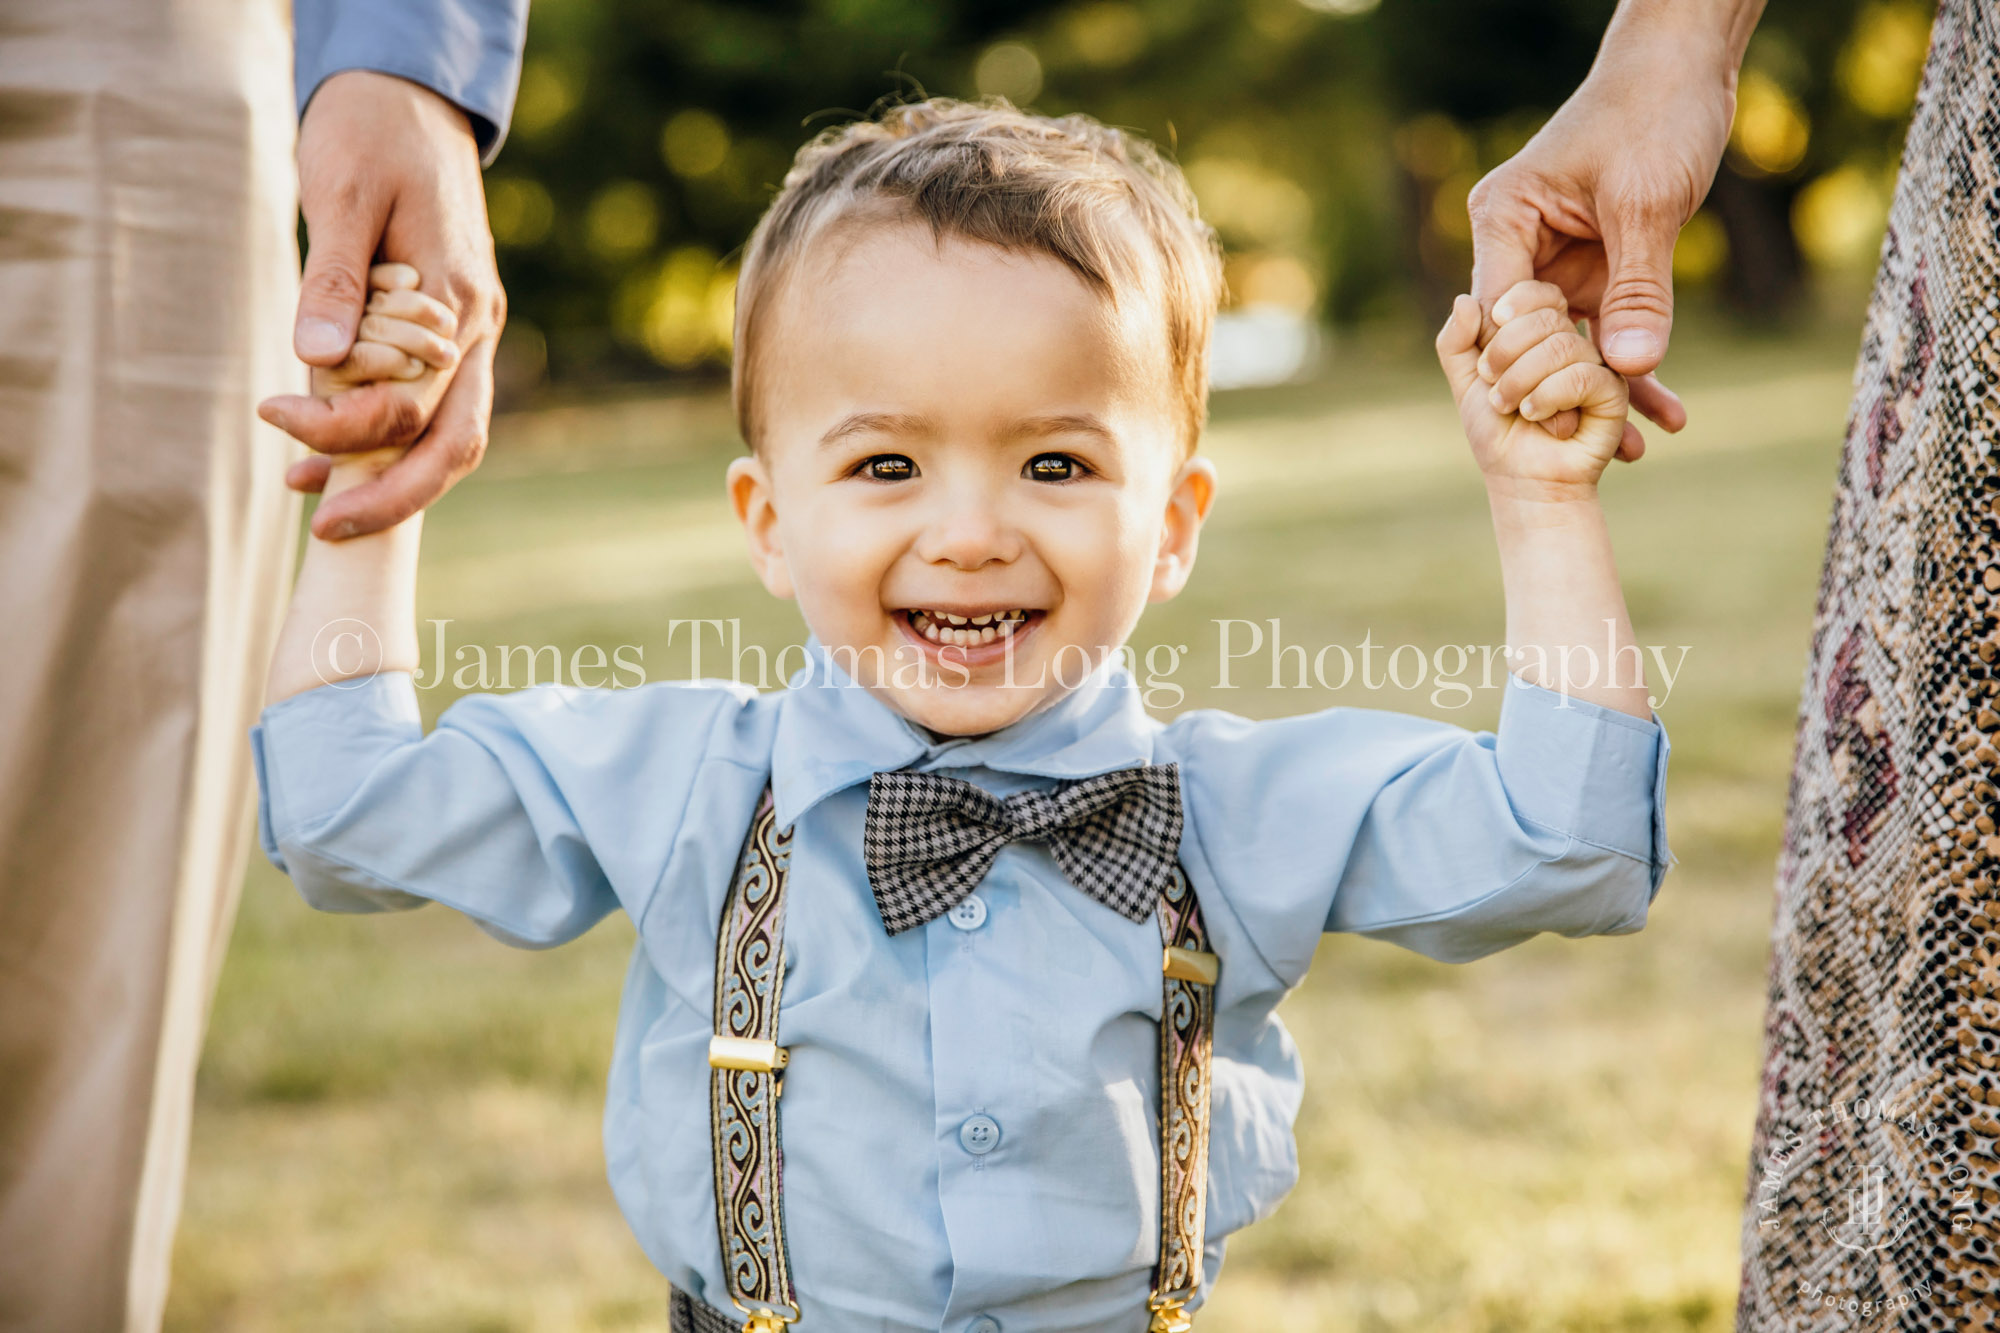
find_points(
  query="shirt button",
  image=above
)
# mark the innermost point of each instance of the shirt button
(979, 1135)
(986, 1323)
(970, 913)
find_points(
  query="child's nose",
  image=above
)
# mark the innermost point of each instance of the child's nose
(968, 531)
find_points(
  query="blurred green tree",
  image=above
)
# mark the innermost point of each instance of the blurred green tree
(1332, 142)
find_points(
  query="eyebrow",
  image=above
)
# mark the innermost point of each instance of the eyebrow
(881, 423)
(1068, 423)
(904, 423)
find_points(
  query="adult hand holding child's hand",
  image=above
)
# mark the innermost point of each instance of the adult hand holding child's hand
(1596, 200)
(402, 353)
(389, 168)
(1541, 367)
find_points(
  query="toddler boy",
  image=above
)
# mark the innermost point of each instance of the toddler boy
(1009, 947)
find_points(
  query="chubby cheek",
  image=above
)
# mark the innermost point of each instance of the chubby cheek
(1104, 561)
(837, 560)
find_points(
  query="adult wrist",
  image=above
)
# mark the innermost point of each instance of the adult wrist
(1682, 41)
(383, 87)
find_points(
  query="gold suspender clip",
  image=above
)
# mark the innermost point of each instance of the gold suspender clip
(1169, 1317)
(764, 1057)
(765, 1321)
(1194, 965)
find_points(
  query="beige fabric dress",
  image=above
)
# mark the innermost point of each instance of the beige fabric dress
(148, 269)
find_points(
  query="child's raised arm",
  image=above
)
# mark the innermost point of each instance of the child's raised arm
(353, 610)
(1567, 626)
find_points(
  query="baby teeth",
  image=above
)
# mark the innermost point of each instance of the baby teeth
(966, 631)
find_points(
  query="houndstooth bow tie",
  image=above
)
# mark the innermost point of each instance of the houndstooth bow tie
(930, 839)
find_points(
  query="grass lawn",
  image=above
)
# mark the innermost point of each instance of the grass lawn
(398, 1118)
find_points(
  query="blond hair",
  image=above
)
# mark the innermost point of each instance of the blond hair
(1063, 186)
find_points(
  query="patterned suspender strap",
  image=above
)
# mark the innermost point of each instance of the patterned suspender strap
(748, 1077)
(1187, 1032)
(685, 1314)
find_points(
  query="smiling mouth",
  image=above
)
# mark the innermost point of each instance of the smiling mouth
(945, 627)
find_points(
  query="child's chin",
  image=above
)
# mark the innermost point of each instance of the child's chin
(968, 710)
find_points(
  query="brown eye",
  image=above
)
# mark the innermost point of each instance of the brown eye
(1053, 467)
(890, 467)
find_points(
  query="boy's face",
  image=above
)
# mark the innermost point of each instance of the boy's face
(971, 475)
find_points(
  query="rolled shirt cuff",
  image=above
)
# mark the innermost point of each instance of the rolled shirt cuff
(1587, 771)
(314, 750)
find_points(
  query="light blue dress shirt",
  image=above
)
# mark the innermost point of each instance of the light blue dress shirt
(466, 51)
(969, 1111)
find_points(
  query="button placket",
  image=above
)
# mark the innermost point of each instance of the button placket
(982, 1059)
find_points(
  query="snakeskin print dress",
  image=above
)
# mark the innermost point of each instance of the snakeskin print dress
(1874, 1182)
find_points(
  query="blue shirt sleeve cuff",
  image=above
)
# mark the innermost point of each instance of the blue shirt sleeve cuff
(1587, 771)
(313, 751)
(466, 51)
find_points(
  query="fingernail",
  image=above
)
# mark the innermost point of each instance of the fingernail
(345, 529)
(320, 337)
(1503, 310)
(1633, 343)
(1528, 412)
(1493, 397)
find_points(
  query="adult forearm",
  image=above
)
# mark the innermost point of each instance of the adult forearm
(1707, 37)
(353, 611)
(1567, 626)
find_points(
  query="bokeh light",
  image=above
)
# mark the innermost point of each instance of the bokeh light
(1771, 133)
(1881, 62)
(1839, 217)
(547, 94)
(695, 143)
(622, 220)
(1702, 250)
(1009, 70)
(1108, 34)
(520, 211)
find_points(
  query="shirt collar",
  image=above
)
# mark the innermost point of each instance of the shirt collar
(832, 734)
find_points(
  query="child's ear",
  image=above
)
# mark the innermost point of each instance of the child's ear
(750, 492)
(1187, 508)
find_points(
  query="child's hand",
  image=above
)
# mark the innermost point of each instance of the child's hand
(404, 341)
(1541, 366)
